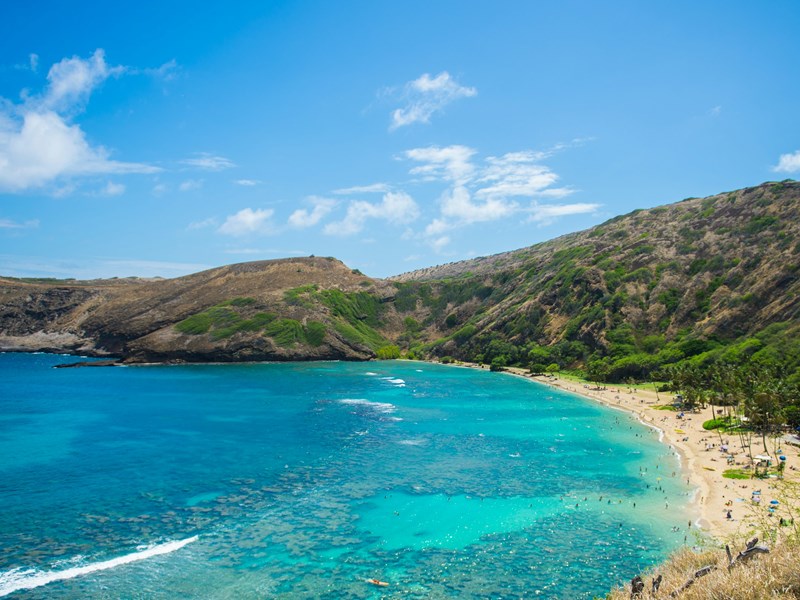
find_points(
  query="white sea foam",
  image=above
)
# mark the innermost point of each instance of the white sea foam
(381, 407)
(413, 442)
(27, 579)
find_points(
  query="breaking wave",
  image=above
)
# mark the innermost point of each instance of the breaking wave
(27, 579)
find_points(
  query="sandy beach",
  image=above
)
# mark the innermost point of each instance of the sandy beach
(702, 457)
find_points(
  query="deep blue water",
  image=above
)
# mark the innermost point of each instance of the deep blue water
(304, 480)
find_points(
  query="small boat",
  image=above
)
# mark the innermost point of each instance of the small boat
(377, 582)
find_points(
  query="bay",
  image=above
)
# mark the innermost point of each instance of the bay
(306, 480)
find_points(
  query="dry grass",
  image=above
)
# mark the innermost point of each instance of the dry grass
(775, 575)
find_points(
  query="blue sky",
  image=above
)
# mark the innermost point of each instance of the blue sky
(164, 138)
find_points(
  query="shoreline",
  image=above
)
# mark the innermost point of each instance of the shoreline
(698, 450)
(701, 458)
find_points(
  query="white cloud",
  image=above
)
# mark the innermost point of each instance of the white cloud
(715, 111)
(37, 143)
(302, 218)
(375, 188)
(493, 189)
(246, 182)
(190, 184)
(208, 162)
(113, 189)
(547, 213)
(9, 224)
(45, 148)
(515, 174)
(426, 96)
(159, 188)
(788, 163)
(395, 207)
(72, 80)
(437, 226)
(458, 206)
(32, 64)
(64, 190)
(210, 222)
(248, 221)
(440, 243)
(165, 72)
(451, 163)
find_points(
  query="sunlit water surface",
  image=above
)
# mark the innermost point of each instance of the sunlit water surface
(306, 480)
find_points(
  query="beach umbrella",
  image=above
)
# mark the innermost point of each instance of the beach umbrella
(774, 502)
(782, 457)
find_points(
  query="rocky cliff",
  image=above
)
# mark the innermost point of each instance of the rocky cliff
(702, 279)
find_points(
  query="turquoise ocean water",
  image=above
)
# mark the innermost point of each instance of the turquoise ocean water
(305, 480)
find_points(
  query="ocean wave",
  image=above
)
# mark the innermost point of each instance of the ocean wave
(382, 407)
(396, 381)
(413, 442)
(27, 579)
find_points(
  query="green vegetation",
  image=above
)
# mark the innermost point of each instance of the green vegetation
(288, 332)
(238, 302)
(357, 316)
(285, 332)
(736, 474)
(364, 336)
(388, 352)
(712, 424)
(684, 286)
(314, 333)
(255, 323)
(224, 320)
(759, 224)
(299, 296)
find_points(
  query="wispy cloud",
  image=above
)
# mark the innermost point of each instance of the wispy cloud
(440, 243)
(426, 96)
(490, 190)
(451, 163)
(113, 189)
(71, 81)
(38, 144)
(246, 182)
(395, 207)
(32, 64)
(515, 174)
(9, 224)
(788, 163)
(165, 72)
(208, 162)
(303, 218)
(92, 268)
(190, 184)
(248, 221)
(374, 188)
(205, 223)
(547, 213)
